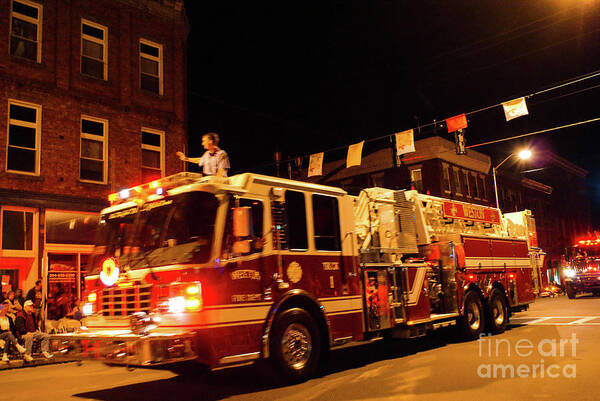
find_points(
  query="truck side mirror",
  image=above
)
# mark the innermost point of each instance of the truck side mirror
(241, 221)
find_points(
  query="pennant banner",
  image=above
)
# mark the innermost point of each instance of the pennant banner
(354, 154)
(515, 108)
(315, 164)
(457, 122)
(405, 142)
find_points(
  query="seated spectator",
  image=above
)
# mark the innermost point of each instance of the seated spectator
(13, 305)
(27, 329)
(19, 296)
(5, 333)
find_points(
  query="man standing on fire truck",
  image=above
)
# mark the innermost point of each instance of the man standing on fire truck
(214, 161)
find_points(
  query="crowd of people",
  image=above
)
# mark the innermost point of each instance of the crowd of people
(20, 323)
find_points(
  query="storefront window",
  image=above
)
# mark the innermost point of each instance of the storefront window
(70, 228)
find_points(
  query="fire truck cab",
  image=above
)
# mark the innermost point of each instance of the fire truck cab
(583, 271)
(230, 270)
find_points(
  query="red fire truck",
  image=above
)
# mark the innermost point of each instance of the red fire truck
(230, 270)
(583, 271)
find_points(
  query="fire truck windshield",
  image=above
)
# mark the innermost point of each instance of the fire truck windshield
(584, 258)
(174, 229)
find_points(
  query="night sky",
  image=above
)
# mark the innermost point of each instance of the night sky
(304, 77)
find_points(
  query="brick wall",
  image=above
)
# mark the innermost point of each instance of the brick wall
(65, 94)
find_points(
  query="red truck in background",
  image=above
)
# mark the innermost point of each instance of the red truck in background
(226, 271)
(583, 271)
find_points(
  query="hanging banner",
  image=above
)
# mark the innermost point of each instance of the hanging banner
(515, 108)
(354, 154)
(405, 142)
(315, 164)
(457, 122)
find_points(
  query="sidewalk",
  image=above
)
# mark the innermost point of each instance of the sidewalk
(39, 361)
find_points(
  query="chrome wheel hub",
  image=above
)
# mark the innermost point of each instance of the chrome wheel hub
(473, 317)
(498, 312)
(296, 345)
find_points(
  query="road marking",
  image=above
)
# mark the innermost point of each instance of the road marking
(547, 321)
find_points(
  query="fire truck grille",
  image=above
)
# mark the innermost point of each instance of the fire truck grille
(126, 301)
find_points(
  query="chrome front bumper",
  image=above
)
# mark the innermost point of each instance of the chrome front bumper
(124, 347)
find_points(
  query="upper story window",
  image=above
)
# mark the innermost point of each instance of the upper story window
(151, 68)
(94, 53)
(24, 126)
(458, 188)
(417, 179)
(466, 183)
(26, 30)
(94, 153)
(474, 185)
(153, 150)
(326, 220)
(481, 187)
(446, 177)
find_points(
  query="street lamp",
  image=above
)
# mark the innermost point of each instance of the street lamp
(523, 155)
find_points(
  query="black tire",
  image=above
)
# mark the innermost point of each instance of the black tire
(497, 312)
(472, 321)
(295, 345)
(570, 292)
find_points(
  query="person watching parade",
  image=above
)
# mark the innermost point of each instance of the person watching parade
(214, 161)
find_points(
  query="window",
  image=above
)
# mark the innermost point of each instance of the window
(70, 227)
(256, 227)
(93, 165)
(481, 187)
(26, 30)
(416, 179)
(17, 230)
(152, 154)
(474, 185)
(94, 52)
(446, 177)
(466, 183)
(457, 183)
(296, 220)
(151, 75)
(326, 223)
(24, 126)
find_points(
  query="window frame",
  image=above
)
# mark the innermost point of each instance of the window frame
(26, 18)
(338, 231)
(476, 189)
(413, 172)
(34, 233)
(160, 149)
(456, 178)
(465, 177)
(158, 59)
(38, 135)
(104, 44)
(83, 135)
(446, 178)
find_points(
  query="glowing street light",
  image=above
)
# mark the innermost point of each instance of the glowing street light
(523, 155)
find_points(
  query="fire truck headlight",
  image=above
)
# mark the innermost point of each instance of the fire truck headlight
(193, 289)
(177, 305)
(570, 273)
(91, 297)
(88, 309)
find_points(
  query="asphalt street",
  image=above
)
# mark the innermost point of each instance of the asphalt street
(548, 352)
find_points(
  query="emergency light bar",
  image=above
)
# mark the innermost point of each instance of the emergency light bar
(156, 187)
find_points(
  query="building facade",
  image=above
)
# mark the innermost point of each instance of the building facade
(93, 100)
(551, 187)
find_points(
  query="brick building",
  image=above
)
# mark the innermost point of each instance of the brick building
(552, 188)
(93, 99)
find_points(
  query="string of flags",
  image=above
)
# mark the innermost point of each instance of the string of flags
(405, 142)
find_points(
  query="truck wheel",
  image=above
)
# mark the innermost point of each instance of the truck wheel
(471, 323)
(295, 345)
(570, 292)
(497, 313)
